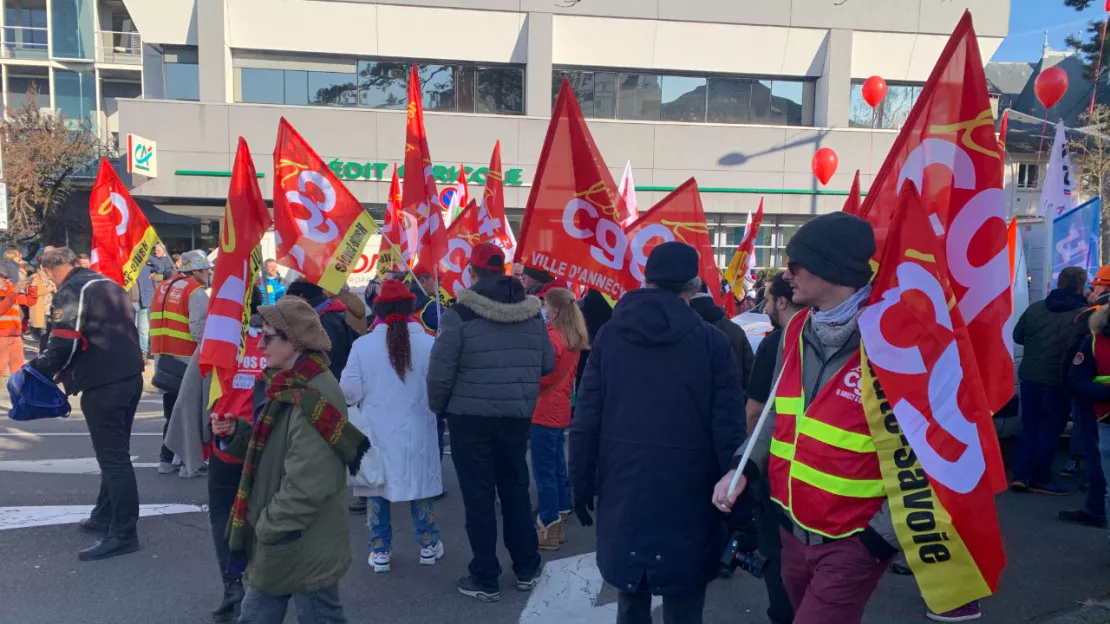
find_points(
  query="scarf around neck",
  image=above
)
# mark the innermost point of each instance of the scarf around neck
(846, 311)
(284, 389)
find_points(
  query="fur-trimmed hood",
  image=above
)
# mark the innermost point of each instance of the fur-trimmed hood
(1099, 318)
(499, 300)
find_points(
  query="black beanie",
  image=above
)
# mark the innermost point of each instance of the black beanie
(671, 265)
(837, 247)
(540, 276)
(308, 291)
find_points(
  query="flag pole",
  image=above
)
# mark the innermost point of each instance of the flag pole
(754, 436)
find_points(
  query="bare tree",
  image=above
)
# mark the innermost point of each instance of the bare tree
(42, 151)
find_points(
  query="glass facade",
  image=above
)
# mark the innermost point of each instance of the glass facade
(384, 85)
(770, 244)
(644, 96)
(891, 113)
(75, 97)
(180, 74)
(25, 30)
(21, 79)
(72, 29)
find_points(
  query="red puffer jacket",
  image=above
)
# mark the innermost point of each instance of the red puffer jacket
(553, 404)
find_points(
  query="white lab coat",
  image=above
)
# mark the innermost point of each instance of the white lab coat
(395, 415)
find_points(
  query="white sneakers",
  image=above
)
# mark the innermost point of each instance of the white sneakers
(380, 561)
(428, 556)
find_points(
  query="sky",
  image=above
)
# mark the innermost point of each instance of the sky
(1030, 18)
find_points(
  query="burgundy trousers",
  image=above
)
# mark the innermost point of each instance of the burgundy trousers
(829, 582)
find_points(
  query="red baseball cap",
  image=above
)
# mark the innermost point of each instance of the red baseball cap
(488, 256)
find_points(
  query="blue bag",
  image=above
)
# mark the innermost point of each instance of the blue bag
(34, 396)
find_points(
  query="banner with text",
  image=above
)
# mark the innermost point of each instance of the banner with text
(1075, 238)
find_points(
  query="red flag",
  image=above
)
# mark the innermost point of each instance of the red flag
(738, 272)
(461, 238)
(246, 219)
(948, 149)
(122, 237)
(398, 232)
(852, 204)
(491, 212)
(420, 198)
(571, 227)
(1002, 128)
(920, 366)
(319, 226)
(678, 216)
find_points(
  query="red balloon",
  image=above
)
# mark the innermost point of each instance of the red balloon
(824, 164)
(874, 90)
(1108, 6)
(1051, 86)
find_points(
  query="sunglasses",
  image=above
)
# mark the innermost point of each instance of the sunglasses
(268, 338)
(793, 267)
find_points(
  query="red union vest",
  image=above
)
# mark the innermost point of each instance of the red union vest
(169, 318)
(1100, 348)
(823, 468)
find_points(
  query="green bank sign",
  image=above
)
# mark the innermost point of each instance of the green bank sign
(381, 172)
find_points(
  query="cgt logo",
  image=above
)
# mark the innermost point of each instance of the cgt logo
(142, 156)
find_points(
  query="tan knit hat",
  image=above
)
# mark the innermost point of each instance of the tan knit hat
(295, 318)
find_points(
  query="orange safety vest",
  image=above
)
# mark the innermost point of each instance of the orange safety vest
(823, 467)
(11, 322)
(169, 318)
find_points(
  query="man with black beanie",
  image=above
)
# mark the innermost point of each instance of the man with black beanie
(534, 280)
(837, 533)
(333, 316)
(660, 411)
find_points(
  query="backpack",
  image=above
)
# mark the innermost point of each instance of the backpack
(35, 397)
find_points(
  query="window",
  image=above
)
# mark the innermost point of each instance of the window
(182, 79)
(770, 243)
(891, 113)
(262, 86)
(72, 28)
(713, 99)
(25, 32)
(75, 97)
(19, 84)
(1029, 176)
(331, 89)
(384, 85)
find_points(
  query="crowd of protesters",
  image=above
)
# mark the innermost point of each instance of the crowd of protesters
(340, 404)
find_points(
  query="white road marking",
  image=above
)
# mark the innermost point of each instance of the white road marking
(23, 517)
(567, 592)
(76, 465)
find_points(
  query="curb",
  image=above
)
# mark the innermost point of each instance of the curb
(1091, 613)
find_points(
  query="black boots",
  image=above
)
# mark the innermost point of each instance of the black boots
(109, 547)
(228, 611)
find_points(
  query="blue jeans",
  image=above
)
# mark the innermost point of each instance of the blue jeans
(1086, 428)
(381, 526)
(549, 468)
(320, 606)
(142, 323)
(1044, 416)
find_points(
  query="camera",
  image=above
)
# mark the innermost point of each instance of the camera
(736, 556)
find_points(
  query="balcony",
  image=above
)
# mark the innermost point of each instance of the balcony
(119, 48)
(26, 42)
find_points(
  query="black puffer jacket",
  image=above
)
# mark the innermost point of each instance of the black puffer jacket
(715, 315)
(1051, 331)
(491, 351)
(93, 340)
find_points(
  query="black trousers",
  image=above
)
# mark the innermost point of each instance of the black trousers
(109, 413)
(489, 456)
(780, 610)
(635, 607)
(223, 483)
(168, 399)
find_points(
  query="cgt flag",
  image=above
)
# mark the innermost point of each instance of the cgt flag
(928, 417)
(491, 212)
(461, 238)
(319, 226)
(948, 149)
(677, 217)
(122, 237)
(572, 227)
(852, 204)
(399, 232)
(738, 271)
(239, 261)
(420, 198)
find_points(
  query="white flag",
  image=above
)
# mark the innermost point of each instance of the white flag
(626, 193)
(1057, 196)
